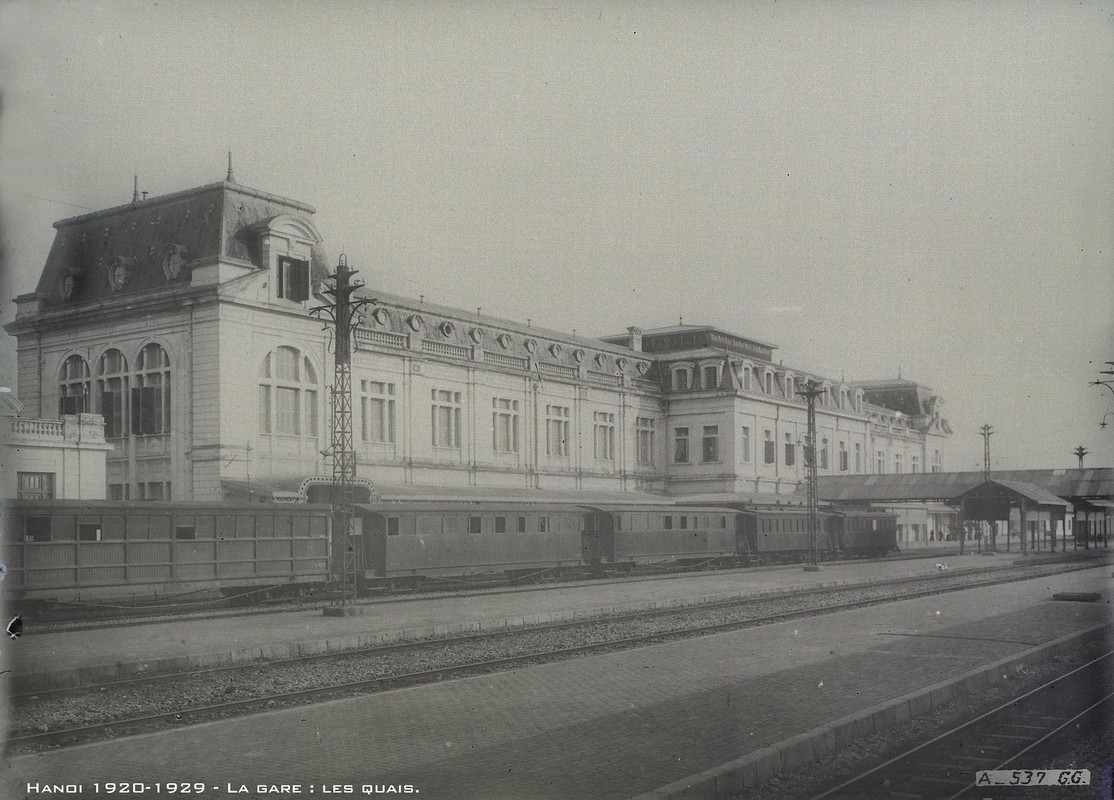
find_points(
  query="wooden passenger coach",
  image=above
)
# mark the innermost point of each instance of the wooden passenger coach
(630, 535)
(82, 551)
(406, 541)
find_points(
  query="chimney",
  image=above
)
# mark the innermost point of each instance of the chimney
(634, 339)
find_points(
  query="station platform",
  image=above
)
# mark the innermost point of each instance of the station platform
(69, 658)
(608, 726)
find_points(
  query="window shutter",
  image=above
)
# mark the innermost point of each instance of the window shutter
(299, 281)
(108, 411)
(137, 402)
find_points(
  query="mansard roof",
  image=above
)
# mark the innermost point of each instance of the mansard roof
(152, 243)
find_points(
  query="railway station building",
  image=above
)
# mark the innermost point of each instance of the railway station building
(185, 322)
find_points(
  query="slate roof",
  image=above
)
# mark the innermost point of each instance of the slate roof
(209, 223)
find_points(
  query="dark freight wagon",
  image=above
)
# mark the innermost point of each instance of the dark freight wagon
(100, 550)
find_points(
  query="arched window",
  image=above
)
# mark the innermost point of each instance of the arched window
(112, 392)
(150, 397)
(73, 386)
(288, 394)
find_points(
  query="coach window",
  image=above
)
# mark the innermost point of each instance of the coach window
(522, 524)
(88, 532)
(392, 526)
(288, 394)
(150, 397)
(543, 524)
(684, 522)
(36, 529)
(112, 392)
(667, 522)
(500, 524)
(73, 386)
(475, 525)
(185, 532)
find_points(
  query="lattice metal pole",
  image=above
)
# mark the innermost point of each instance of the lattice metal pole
(343, 450)
(810, 392)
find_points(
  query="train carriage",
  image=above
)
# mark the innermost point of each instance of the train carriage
(406, 542)
(864, 532)
(628, 535)
(781, 534)
(98, 550)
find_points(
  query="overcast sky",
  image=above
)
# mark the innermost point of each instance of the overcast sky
(874, 187)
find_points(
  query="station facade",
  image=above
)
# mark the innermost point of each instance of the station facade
(186, 322)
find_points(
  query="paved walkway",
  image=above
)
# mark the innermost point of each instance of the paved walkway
(609, 726)
(117, 652)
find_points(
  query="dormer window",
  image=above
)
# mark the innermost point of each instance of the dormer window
(709, 376)
(293, 279)
(681, 379)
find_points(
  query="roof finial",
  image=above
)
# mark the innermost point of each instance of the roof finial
(681, 319)
(135, 188)
(230, 177)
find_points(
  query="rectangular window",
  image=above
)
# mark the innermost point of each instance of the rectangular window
(790, 450)
(744, 444)
(843, 456)
(604, 436)
(680, 445)
(504, 425)
(185, 532)
(543, 524)
(293, 279)
(880, 462)
(684, 523)
(500, 524)
(557, 431)
(377, 412)
(36, 529)
(769, 456)
(897, 464)
(667, 522)
(644, 435)
(710, 377)
(392, 526)
(88, 532)
(474, 525)
(915, 464)
(155, 491)
(286, 411)
(823, 454)
(522, 524)
(36, 486)
(710, 450)
(446, 418)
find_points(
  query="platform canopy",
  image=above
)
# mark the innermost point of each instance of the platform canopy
(993, 500)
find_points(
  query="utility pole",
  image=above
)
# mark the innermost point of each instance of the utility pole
(986, 432)
(810, 392)
(342, 311)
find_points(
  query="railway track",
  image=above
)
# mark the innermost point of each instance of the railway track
(328, 676)
(1016, 739)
